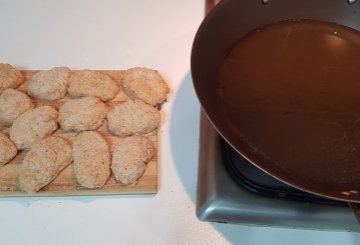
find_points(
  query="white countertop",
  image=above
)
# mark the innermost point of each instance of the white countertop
(119, 34)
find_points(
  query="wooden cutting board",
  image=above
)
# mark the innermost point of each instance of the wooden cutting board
(65, 183)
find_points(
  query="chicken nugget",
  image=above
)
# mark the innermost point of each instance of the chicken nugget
(133, 117)
(145, 84)
(33, 125)
(129, 159)
(49, 85)
(43, 163)
(86, 113)
(92, 159)
(92, 83)
(7, 149)
(9, 77)
(13, 103)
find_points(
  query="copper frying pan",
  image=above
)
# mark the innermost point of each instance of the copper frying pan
(218, 34)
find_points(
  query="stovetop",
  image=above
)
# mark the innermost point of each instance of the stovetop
(232, 190)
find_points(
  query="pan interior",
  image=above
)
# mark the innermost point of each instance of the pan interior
(291, 92)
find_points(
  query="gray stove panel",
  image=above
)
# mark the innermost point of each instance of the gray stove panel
(220, 199)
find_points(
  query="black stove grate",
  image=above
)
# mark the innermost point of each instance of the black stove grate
(257, 181)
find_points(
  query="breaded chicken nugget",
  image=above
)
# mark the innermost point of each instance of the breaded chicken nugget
(92, 83)
(92, 159)
(129, 158)
(43, 163)
(9, 77)
(49, 85)
(13, 103)
(33, 125)
(145, 84)
(7, 149)
(86, 113)
(133, 117)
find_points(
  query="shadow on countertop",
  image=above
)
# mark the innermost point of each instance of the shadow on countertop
(184, 134)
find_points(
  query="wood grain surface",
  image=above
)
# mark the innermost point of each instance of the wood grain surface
(65, 183)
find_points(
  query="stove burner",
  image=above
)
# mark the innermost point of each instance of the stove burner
(255, 180)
